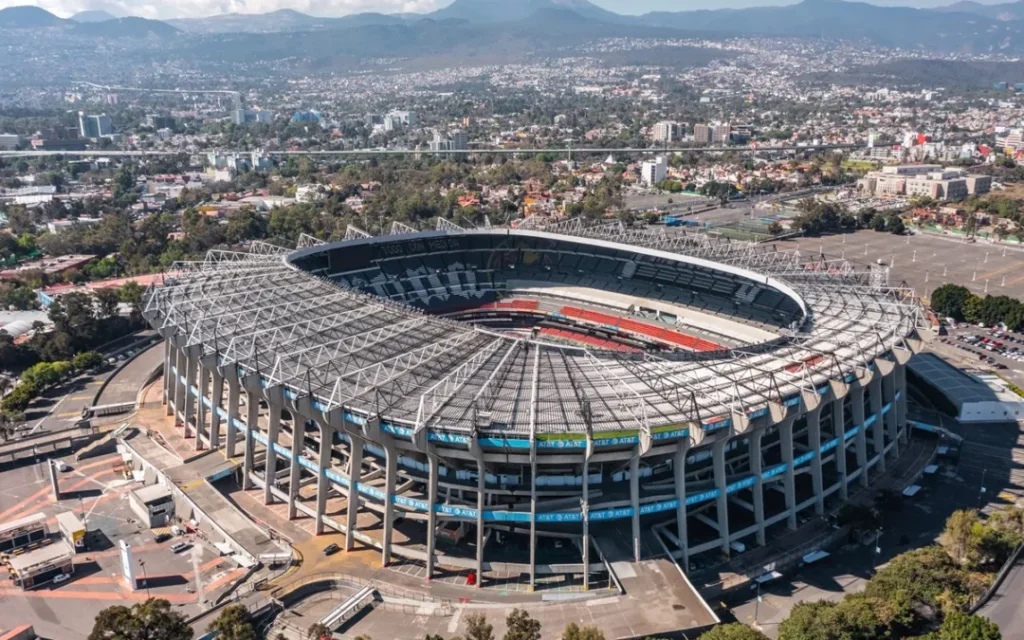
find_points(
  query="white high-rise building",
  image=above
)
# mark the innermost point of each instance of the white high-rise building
(654, 171)
(665, 132)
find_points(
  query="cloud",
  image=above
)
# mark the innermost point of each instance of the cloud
(202, 8)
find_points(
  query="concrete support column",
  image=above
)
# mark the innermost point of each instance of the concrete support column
(432, 472)
(217, 397)
(901, 403)
(839, 429)
(585, 508)
(756, 468)
(718, 463)
(178, 356)
(481, 483)
(889, 398)
(861, 439)
(232, 409)
(295, 472)
(814, 439)
(191, 371)
(355, 474)
(533, 519)
(390, 479)
(202, 411)
(634, 501)
(789, 475)
(252, 418)
(878, 427)
(323, 464)
(679, 470)
(168, 376)
(273, 427)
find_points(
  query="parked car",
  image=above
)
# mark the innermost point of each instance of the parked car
(61, 577)
(331, 549)
(178, 547)
(163, 537)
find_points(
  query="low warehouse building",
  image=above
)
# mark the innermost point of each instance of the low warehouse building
(154, 505)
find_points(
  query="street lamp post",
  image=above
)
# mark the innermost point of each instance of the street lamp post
(145, 579)
(877, 551)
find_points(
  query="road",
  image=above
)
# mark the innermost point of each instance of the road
(59, 408)
(1006, 608)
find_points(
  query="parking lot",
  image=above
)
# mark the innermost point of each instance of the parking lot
(97, 491)
(925, 261)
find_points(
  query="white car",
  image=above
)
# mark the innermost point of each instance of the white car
(61, 577)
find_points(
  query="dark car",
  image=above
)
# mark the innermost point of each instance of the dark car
(331, 549)
(163, 537)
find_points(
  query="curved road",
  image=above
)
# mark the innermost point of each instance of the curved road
(1006, 608)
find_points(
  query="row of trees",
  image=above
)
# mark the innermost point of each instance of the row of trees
(38, 378)
(957, 302)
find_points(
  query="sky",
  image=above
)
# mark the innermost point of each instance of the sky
(161, 9)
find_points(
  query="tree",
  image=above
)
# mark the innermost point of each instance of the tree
(477, 627)
(149, 620)
(318, 631)
(107, 300)
(87, 360)
(733, 631)
(965, 626)
(948, 300)
(575, 632)
(234, 623)
(521, 626)
(961, 535)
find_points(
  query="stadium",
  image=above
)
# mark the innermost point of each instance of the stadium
(544, 394)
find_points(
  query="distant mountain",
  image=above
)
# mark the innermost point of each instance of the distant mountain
(836, 19)
(1003, 12)
(126, 28)
(495, 11)
(93, 16)
(26, 17)
(275, 21)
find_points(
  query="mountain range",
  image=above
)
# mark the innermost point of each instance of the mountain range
(28, 17)
(966, 26)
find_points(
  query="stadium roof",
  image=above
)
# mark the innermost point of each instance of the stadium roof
(373, 356)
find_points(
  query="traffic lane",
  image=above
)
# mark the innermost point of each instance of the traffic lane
(125, 384)
(59, 408)
(1006, 608)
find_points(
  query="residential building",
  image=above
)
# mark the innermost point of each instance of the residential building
(306, 116)
(721, 133)
(457, 141)
(94, 126)
(654, 171)
(159, 121)
(702, 134)
(665, 132)
(9, 141)
(249, 116)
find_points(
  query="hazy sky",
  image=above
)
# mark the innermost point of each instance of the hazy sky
(200, 8)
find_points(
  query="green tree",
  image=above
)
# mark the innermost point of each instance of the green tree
(149, 620)
(575, 632)
(477, 627)
(521, 626)
(87, 360)
(949, 300)
(965, 626)
(961, 534)
(234, 623)
(107, 300)
(733, 631)
(318, 631)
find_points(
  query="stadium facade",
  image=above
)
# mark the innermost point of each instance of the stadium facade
(541, 383)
